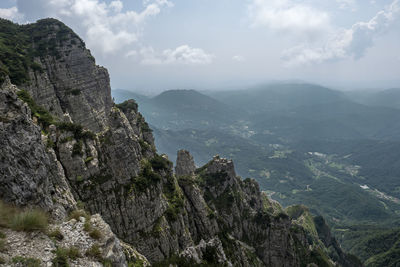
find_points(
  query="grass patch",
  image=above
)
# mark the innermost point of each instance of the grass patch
(76, 214)
(64, 254)
(92, 231)
(26, 262)
(94, 252)
(56, 234)
(88, 159)
(29, 220)
(95, 234)
(43, 115)
(3, 246)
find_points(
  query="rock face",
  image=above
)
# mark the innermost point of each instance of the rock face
(103, 156)
(184, 164)
(30, 173)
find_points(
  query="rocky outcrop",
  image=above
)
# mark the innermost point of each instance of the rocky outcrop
(48, 250)
(184, 164)
(30, 173)
(102, 156)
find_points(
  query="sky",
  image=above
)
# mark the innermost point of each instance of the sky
(154, 45)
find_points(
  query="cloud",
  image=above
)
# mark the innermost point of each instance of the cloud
(288, 16)
(106, 27)
(346, 43)
(131, 53)
(10, 13)
(347, 4)
(183, 54)
(238, 58)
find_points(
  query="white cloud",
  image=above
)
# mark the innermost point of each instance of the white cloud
(290, 16)
(346, 43)
(183, 54)
(347, 4)
(131, 53)
(10, 13)
(238, 58)
(116, 6)
(106, 27)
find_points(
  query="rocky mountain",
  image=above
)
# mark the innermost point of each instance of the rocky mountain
(69, 151)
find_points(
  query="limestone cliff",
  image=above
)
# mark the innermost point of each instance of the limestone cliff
(69, 143)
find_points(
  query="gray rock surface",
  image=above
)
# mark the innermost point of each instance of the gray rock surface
(184, 164)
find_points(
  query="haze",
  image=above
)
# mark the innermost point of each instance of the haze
(150, 46)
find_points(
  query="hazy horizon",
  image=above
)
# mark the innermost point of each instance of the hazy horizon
(156, 45)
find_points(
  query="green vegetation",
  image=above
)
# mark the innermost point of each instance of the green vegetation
(76, 214)
(100, 178)
(77, 130)
(146, 178)
(22, 220)
(128, 105)
(160, 163)
(56, 234)
(175, 199)
(144, 126)
(88, 159)
(2, 245)
(44, 117)
(77, 148)
(29, 220)
(26, 262)
(63, 254)
(137, 263)
(94, 252)
(33, 42)
(87, 226)
(74, 92)
(175, 260)
(95, 233)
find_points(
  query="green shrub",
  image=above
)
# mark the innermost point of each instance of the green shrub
(73, 253)
(147, 178)
(29, 220)
(77, 148)
(2, 245)
(76, 214)
(2, 261)
(159, 163)
(61, 258)
(95, 233)
(79, 178)
(128, 105)
(75, 92)
(94, 252)
(2, 235)
(56, 234)
(44, 116)
(77, 130)
(88, 159)
(26, 262)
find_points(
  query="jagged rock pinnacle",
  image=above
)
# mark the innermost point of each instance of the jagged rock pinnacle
(184, 164)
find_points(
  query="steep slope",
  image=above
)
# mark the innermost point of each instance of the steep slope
(70, 144)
